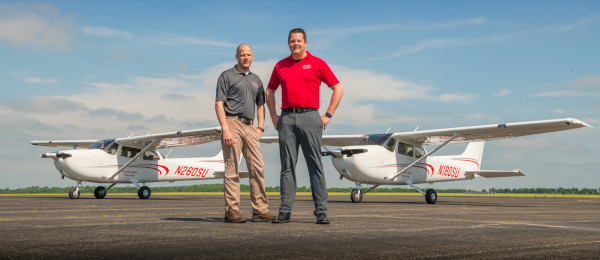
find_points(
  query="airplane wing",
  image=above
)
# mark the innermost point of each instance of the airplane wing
(173, 139)
(331, 140)
(489, 132)
(65, 143)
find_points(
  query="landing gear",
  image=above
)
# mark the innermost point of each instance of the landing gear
(356, 195)
(74, 193)
(431, 196)
(144, 192)
(100, 192)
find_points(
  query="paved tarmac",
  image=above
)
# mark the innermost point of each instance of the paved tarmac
(399, 227)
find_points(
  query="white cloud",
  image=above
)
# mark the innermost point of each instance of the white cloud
(34, 25)
(105, 32)
(583, 86)
(328, 37)
(502, 93)
(194, 41)
(34, 80)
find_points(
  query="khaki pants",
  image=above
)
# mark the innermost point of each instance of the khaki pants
(246, 142)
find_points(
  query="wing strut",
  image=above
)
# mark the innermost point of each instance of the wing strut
(133, 159)
(417, 161)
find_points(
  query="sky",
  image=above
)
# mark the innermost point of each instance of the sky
(109, 69)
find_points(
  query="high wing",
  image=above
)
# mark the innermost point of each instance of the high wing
(65, 143)
(172, 139)
(489, 132)
(331, 140)
(164, 140)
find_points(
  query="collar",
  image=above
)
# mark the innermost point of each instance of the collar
(237, 70)
(307, 57)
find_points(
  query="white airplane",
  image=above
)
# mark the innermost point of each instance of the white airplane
(135, 160)
(400, 158)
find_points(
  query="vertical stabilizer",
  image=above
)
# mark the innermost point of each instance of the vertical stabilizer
(474, 151)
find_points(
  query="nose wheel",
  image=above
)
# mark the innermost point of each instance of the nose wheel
(356, 195)
(74, 193)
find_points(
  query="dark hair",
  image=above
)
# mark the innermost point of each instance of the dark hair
(297, 30)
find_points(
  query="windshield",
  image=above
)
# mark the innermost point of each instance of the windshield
(374, 139)
(102, 144)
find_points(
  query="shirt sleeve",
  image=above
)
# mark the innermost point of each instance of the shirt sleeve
(260, 96)
(221, 88)
(327, 75)
(274, 81)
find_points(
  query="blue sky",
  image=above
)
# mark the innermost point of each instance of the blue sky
(92, 70)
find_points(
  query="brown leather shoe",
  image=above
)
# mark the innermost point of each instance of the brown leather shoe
(264, 217)
(233, 216)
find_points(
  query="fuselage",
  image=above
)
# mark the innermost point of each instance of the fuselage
(96, 165)
(378, 165)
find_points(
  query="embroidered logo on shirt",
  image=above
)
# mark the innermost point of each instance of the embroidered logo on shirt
(306, 66)
(254, 84)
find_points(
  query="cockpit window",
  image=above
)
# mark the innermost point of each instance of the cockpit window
(374, 139)
(150, 155)
(108, 145)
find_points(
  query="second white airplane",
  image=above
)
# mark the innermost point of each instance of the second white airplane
(401, 159)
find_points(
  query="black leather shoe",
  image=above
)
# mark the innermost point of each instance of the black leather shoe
(322, 219)
(281, 218)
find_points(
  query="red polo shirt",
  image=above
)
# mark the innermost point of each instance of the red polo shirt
(301, 81)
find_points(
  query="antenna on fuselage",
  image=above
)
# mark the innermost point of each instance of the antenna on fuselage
(416, 128)
(388, 130)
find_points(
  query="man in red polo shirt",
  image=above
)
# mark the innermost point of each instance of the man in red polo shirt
(300, 124)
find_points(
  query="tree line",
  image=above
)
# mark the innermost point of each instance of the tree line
(246, 188)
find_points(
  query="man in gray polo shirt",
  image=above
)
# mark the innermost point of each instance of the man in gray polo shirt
(239, 93)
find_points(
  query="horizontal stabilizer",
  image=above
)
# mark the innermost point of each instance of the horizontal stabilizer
(493, 173)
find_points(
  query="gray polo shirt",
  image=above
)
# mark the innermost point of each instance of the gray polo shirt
(240, 92)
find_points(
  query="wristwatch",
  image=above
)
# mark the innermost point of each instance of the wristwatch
(328, 115)
(261, 129)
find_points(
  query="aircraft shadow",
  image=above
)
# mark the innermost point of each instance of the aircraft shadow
(195, 219)
(439, 202)
(215, 220)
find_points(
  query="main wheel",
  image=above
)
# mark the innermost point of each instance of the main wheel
(100, 192)
(144, 192)
(356, 195)
(431, 196)
(74, 193)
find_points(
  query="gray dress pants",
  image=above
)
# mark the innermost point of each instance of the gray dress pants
(303, 130)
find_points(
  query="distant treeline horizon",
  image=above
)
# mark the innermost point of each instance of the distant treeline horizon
(246, 188)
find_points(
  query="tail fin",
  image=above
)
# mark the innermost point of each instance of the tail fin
(474, 151)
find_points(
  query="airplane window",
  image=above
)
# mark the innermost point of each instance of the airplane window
(374, 139)
(150, 155)
(405, 149)
(420, 152)
(391, 144)
(402, 148)
(409, 150)
(129, 152)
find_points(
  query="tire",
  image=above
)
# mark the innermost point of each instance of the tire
(74, 193)
(144, 192)
(431, 196)
(100, 192)
(356, 195)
